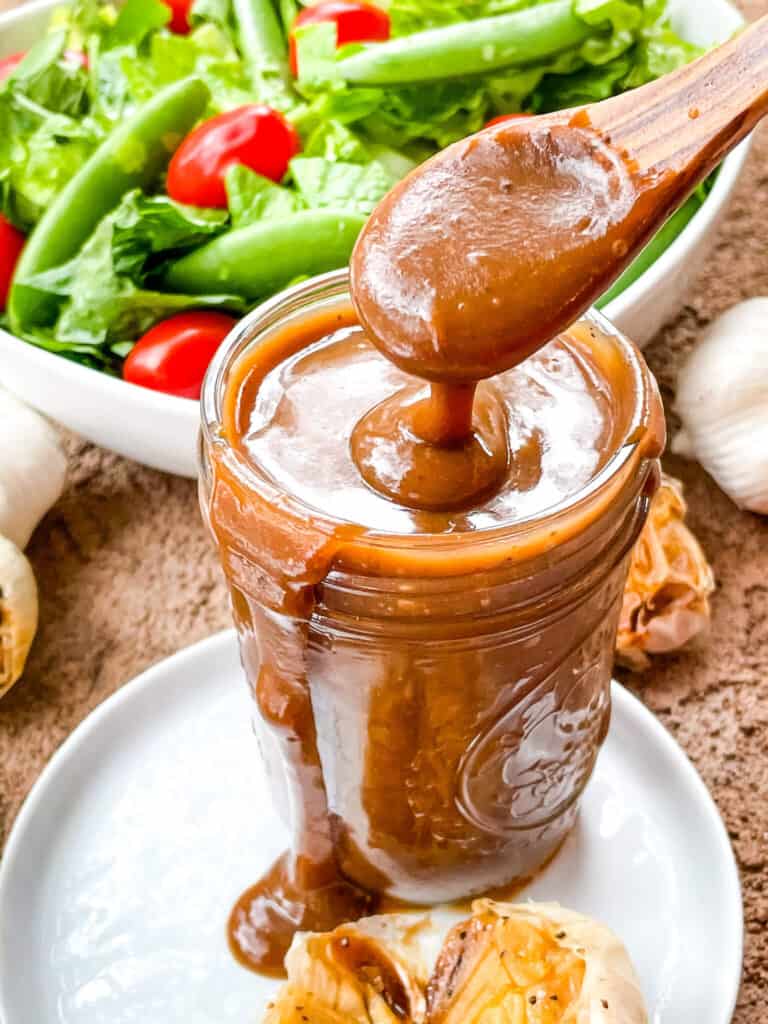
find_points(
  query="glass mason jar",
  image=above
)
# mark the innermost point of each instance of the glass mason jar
(459, 685)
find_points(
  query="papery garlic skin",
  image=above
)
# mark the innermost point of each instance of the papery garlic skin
(722, 400)
(32, 469)
(18, 612)
(670, 581)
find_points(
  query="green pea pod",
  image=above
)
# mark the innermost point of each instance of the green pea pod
(261, 38)
(469, 48)
(262, 258)
(130, 157)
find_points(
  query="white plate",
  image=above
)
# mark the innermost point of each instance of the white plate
(160, 430)
(154, 816)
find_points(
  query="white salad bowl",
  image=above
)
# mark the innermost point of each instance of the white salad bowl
(161, 430)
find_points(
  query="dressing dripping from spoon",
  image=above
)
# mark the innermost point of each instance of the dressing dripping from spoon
(500, 242)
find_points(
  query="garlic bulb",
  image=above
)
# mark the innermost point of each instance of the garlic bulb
(32, 471)
(507, 964)
(722, 399)
(18, 612)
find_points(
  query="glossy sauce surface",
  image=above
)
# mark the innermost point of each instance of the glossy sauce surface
(428, 740)
(552, 418)
(495, 245)
(431, 712)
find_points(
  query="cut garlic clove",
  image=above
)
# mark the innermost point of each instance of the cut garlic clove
(369, 972)
(18, 612)
(32, 469)
(533, 964)
(722, 400)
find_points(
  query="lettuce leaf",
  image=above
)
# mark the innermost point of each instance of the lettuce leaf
(206, 52)
(39, 152)
(44, 135)
(217, 12)
(105, 292)
(50, 79)
(252, 197)
(322, 182)
(137, 18)
(631, 42)
(332, 140)
(357, 141)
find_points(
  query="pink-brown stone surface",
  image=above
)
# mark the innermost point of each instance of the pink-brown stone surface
(127, 576)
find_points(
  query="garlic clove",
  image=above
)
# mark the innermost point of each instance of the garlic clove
(369, 971)
(530, 963)
(18, 612)
(682, 445)
(722, 400)
(32, 469)
(735, 454)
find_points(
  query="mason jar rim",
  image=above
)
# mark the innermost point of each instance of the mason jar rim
(306, 295)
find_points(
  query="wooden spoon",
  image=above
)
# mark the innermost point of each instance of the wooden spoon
(501, 241)
(690, 119)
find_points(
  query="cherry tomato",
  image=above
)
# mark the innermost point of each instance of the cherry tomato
(179, 22)
(256, 136)
(505, 117)
(11, 244)
(356, 22)
(9, 64)
(174, 355)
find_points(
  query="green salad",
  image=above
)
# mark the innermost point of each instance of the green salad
(157, 159)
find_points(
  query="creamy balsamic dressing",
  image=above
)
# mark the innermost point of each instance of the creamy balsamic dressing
(553, 418)
(494, 246)
(425, 583)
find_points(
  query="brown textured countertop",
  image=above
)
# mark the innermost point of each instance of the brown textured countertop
(127, 576)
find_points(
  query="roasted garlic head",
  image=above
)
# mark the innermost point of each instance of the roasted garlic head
(506, 964)
(666, 600)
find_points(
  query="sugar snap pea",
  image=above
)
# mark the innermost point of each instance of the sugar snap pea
(263, 257)
(469, 48)
(130, 157)
(261, 39)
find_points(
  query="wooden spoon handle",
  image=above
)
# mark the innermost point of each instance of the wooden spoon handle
(687, 121)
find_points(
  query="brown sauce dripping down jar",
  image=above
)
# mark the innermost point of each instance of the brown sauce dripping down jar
(458, 687)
